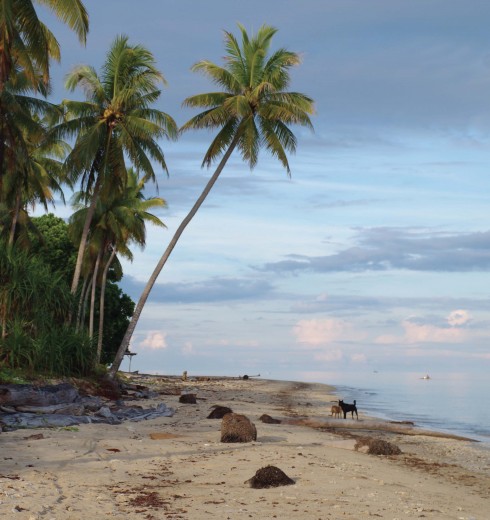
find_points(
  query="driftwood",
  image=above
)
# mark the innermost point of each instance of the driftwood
(26, 406)
(63, 409)
(12, 395)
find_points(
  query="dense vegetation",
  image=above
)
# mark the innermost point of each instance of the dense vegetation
(61, 311)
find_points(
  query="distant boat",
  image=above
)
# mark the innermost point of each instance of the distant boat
(427, 376)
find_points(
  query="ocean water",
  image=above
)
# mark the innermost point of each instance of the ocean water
(455, 403)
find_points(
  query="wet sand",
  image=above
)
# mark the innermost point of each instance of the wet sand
(177, 468)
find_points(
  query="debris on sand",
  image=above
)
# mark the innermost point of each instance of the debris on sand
(269, 476)
(237, 428)
(377, 446)
(268, 419)
(219, 412)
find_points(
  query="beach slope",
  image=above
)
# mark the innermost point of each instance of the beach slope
(177, 468)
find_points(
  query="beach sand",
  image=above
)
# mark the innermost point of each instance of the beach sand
(177, 468)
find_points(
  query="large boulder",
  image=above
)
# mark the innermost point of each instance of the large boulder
(237, 428)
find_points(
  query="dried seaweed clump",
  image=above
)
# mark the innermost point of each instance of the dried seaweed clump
(237, 428)
(377, 446)
(219, 412)
(188, 399)
(268, 419)
(269, 476)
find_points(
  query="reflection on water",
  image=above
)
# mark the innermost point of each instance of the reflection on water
(454, 402)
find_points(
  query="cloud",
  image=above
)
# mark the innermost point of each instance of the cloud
(416, 333)
(212, 290)
(459, 317)
(417, 330)
(382, 249)
(325, 331)
(154, 340)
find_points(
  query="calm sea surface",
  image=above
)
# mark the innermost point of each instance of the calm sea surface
(456, 403)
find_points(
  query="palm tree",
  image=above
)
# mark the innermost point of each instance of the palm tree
(119, 221)
(37, 177)
(32, 167)
(252, 111)
(26, 42)
(114, 123)
(27, 45)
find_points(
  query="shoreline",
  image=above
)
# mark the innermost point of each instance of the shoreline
(176, 467)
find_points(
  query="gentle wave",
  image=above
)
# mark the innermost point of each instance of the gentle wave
(452, 403)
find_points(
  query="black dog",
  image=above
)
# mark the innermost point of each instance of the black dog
(346, 408)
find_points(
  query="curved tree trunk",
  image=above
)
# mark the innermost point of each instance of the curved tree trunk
(102, 299)
(92, 296)
(144, 296)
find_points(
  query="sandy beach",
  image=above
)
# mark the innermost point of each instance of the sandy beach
(177, 468)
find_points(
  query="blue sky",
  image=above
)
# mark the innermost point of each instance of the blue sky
(375, 254)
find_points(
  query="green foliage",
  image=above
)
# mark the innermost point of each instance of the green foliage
(254, 110)
(58, 350)
(53, 246)
(11, 376)
(34, 302)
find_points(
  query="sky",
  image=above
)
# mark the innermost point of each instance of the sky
(375, 254)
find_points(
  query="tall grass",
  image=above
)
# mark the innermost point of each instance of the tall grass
(34, 304)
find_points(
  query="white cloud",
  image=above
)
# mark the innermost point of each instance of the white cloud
(458, 317)
(325, 331)
(154, 341)
(415, 332)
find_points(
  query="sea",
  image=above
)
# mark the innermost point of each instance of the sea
(455, 403)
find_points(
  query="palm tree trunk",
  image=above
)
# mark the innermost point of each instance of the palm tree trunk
(86, 292)
(92, 296)
(146, 292)
(78, 319)
(83, 239)
(15, 217)
(101, 308)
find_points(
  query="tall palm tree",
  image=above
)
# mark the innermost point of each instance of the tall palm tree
(115, 122)
(252, 111)
(119, 221)
(27, 45)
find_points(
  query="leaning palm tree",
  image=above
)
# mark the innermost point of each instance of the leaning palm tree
(115, 123)
(252, 111)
